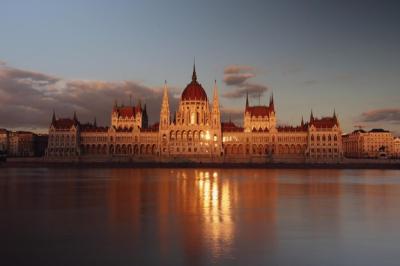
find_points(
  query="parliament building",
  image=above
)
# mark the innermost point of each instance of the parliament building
(195, 133)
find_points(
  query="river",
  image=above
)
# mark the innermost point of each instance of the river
(58, 216)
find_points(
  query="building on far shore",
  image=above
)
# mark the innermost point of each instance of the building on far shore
(396, 147)
(195, 132)
(22, 143)
(4, 140)
(376, 143)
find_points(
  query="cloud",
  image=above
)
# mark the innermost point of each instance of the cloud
(236, 69)
(236, 77)
(391, 115)
(27, 98)
(254, 90)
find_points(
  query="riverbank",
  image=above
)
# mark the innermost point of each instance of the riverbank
(345, 164)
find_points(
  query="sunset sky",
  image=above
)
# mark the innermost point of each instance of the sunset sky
(319, 55)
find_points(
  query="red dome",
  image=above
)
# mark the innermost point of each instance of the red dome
(194, 91)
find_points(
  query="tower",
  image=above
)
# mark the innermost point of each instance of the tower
(215, 114)
(164, 113)
(164, 123)
(216, 124)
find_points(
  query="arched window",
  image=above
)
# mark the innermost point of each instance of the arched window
(335, 137)
(193, 118)
(312, 137)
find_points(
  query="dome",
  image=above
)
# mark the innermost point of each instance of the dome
(194, 91)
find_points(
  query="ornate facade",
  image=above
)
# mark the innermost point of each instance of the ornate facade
(194, 132)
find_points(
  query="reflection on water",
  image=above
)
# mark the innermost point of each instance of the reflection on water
(198, 217)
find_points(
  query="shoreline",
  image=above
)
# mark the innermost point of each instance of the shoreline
(270, 165)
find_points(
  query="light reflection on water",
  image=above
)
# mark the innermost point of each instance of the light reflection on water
(199, 216)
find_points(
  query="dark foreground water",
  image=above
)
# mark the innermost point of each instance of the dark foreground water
(199, 217)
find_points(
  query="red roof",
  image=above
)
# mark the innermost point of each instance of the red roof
(127, 111)
(324, 122)
(230, 127)
(259, 110)
(194, 91)
(92, 128)
(64, 123)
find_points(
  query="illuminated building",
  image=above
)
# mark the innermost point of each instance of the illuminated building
(194, 132)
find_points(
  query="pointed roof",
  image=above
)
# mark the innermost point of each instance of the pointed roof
(53, 119)
(194, 76)
(271, 102)
(165, 101)
(311, 116)
(215, 98)
(247, 99)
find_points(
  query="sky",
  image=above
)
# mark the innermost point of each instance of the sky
(82, 55)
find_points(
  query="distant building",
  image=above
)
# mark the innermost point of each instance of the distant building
(396, 147)
(4, 142)
(21, 144)
(195, 132)
(376, 143)
(40, 144)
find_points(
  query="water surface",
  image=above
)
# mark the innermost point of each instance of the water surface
(199, 217)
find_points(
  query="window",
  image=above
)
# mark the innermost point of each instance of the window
(193, 118)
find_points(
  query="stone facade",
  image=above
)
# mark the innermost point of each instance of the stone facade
(376, 143)
(194, 132)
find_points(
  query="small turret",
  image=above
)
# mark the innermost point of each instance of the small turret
(53, 119)
(311, 116)
(271, 102)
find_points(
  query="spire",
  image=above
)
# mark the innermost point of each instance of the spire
(164, 113)
(302, 121)
(334, 113)
(247, 99)
(271, 102)
(194, 76)
(53, 119)
(215, 98)
(75, 117)
(311, 116)
(95, 122)
(165, 101)
(139, 104)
